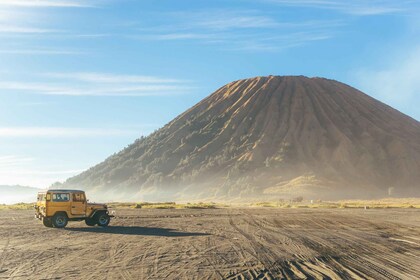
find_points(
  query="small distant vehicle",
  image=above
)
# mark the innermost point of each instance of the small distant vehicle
(56, 207)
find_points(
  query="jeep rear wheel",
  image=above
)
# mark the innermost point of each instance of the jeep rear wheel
(60, 220)
(103, 219)
(47, 222)
(90, 222)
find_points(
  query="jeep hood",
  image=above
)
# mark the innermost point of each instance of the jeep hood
(97, 205)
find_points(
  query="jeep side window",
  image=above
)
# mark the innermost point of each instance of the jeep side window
(78, 197)
(60, 197)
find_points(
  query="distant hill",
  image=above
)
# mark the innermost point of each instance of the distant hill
(269, 138)
(16, 194)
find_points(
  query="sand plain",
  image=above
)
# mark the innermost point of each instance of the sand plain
(227, 243)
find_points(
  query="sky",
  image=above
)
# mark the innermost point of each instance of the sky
(80, 80)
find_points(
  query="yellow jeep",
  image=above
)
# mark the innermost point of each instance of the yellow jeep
(56, 207)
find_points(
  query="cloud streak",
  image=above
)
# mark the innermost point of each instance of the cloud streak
(231, 20)
(247, 30)
(59, 132)
(100, 84)
(236, 30)
(46, 3)
(354, 7)
(20, 29)
(13, 160)
(111, 78)
(19, 18)
(33, 172)
(41, 52)
(397, 84)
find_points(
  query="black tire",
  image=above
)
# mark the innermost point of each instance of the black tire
(60, 220)
(90, 222)
(102, 219)
(47, 222)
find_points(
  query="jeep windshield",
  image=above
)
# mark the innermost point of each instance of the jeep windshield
(42, 197)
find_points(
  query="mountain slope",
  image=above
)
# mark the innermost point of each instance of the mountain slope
(269, 137)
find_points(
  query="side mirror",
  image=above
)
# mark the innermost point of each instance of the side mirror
(48, 197)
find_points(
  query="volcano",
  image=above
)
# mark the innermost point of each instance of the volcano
(269, 138)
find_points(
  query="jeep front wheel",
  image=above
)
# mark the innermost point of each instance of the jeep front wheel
(59, 220)
(103, 219)
(90, 222)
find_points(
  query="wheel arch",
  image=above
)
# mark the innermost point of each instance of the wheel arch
(61, 212)
(96, 212)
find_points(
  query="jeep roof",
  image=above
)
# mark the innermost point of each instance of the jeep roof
(63, 190)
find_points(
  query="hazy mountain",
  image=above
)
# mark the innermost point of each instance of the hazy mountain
(268, 138)
(16, 194)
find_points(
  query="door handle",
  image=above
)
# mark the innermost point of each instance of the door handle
(73, 207)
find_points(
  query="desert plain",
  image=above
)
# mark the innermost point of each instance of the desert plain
(224, 243)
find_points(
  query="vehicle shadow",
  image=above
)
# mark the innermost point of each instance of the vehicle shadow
(134, 230)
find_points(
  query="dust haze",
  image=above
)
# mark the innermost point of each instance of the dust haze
(17, 194)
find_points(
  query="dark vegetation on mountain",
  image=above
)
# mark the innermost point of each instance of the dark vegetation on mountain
(267, 138)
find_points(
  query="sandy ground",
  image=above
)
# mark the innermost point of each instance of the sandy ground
(251, 243)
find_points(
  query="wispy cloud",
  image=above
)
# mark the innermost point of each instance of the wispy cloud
(354, 7)
(58, 132)
(47, 3)
(20, 29)
(111, 78)
(233, 20)
(236, 30)
(19, 19)
(13, 160)
(249, 30)
(174, 36)
(281, 42)
(249, 41)
(41, 52)
(34, 104)
(41, 172)
(100, 84)
(397, 84)
(122, 90)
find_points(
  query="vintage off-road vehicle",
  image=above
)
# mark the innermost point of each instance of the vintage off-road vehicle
(56, 207)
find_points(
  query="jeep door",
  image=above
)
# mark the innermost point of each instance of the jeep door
(78, 205)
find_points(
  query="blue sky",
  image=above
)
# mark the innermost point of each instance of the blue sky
(79, 80)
